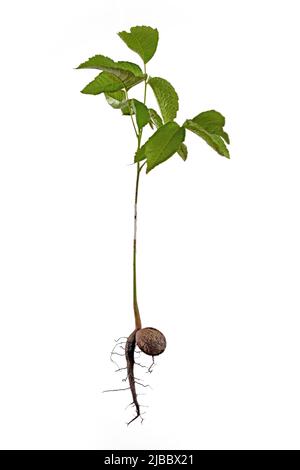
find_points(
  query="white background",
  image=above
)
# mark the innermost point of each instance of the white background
(218, 239)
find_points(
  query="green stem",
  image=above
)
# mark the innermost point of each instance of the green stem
(145, 89)
(131, 116)
(138, 323)
(137, 317)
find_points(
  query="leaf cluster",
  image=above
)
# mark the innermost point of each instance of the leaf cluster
(117, 78)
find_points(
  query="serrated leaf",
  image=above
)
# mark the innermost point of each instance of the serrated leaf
(213, 122)
(183, 151)
(97, 62)
(214, 140)
(161, 145)
(166, 97)
(135, 74)
(142, 40)
(104, 82)
(129, 73)
(101, 62)
(131, 67)
(156, 120)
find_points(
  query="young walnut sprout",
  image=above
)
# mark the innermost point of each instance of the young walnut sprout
(115, 80)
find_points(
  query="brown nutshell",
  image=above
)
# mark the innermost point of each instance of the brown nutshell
(151, 341)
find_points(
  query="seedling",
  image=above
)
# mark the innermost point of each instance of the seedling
(115, 81)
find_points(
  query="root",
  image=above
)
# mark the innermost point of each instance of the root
(150, 369)
(116, 390)
(143, 385)
(130, 350)
(121, 368)
(121, 337)
(135, 417)
(129, 353)
(138, 364)
(130, 404)
(114, 353)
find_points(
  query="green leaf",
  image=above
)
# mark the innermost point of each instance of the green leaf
(127, 108)
(129, 73)
(131, 67)
(104, 82)
(97, 62)
(138, 108)
(213, 122)
(142, 40)
(161, 145)
(156, 121)
(134, 72)
(183, 151)
(166, 97)
(141, 113)
(214, 140)
(101, 62)
(116, 98)
(155, 118)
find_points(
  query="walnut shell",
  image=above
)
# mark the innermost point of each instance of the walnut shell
(151, 341)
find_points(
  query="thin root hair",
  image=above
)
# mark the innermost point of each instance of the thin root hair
(116, 390)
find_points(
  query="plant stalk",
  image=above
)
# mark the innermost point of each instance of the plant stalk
(138, 323)
(137, 317)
